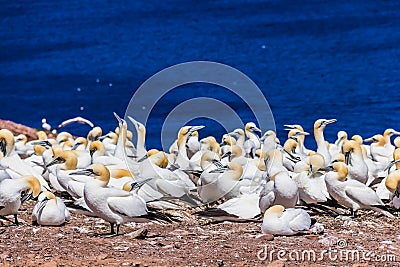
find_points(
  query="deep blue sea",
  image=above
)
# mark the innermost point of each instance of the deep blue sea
(311, 59)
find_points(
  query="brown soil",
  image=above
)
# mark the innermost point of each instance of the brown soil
(196, 242)
(17, 129)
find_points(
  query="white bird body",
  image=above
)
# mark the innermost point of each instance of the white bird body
(207, 183)
(14, 191)
(244, 206)
(274, 162)
(280, 190)
(16, 168)
(280, 221)
(322, 149)
(351, 193)
(50, 210)
(193, 144)
(311, 190)
(164, 181)
(141, 138)
(113, 205)
(358, 169)
(253, 142)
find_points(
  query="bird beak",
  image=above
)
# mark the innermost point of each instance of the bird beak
(327, 169)
(289, 126)
(133, 121)
(195, 128)
(217, 163)
(303, 133)
(330, 121)
(293, 158)
(44, 143)
(25, 197)
(118, 118)
(42, 204)
(87, 172)
(220, 169)
(339, 140)
(74, 147)
(143, 158)
(57, 160)
(101, 138)
(256, 129)
(347, 158)
(391, 164)
(227, 154)
(396, 133)
(369, 140)
(139, 184)
(3, 146)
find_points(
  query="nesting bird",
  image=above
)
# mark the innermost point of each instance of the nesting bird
(245, 174)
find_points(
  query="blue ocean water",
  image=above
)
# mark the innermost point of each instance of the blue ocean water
(312, 59)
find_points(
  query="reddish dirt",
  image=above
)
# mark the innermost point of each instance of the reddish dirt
(196, 242)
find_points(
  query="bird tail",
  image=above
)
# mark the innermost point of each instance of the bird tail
(384, 212)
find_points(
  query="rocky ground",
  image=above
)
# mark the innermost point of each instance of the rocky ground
(368, 240)
(198, 241)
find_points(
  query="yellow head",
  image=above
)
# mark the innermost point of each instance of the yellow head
(357, 138)
(392, 182)
(66, 159)
(316, 161)
(98, 148)
(321, 124)
(63, 137)
(341, 169)
(251, 128)
(228, 140)
(119, 173)
(100, 172)
(290, 146)
(275, 210)
(33, 185)
(129, 135)
(94, 134)
(21, 138)
(397, 142)
(41, 135)
(6, 142)
(237, 170)
(46, 195)
(339, 157)
(80, 143)
(39, 150)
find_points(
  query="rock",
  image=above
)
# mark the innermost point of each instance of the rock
(265, 237)
(139, 234)
(17, 129)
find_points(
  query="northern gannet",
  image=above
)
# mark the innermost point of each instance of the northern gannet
(280, 190)
(182, 160)
(13, 192)
(141, 138)
(253, 142)
(319, 127)
(358, 169)
(111, 204)
(280, 221)
(50, 210)
(351, 193)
